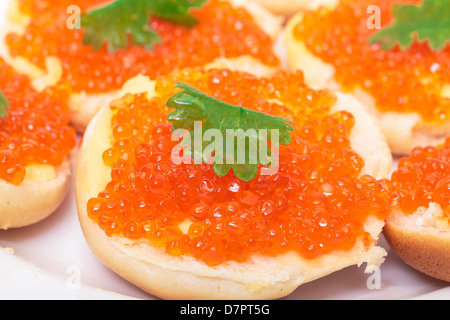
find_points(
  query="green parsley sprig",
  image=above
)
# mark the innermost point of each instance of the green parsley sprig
(125, 22)
(429, 21)
(4, 105)
(193, 106)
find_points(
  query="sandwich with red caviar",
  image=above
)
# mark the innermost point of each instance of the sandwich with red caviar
(218, 184)
(101, 44)
(419, 229)
(35, 149)
(393, 55)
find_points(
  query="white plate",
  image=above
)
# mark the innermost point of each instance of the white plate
(51, 260)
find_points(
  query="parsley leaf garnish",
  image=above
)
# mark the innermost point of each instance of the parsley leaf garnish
(4, 104)
(429, 21)
(193, 106)
(125, 22)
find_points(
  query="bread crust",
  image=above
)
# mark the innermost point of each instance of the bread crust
(33, 201)
(426, 252)
(421, 239)
(184, 277)
(84, 106)
(403, 131)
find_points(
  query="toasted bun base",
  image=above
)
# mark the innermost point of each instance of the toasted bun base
(420, 241)
(84, 106)
(403, 131)
(33, 200)
(184, 277)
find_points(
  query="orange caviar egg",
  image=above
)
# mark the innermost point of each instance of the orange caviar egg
(424, 177)
(316, 203)
(222, 31)
(36, 129)
(402, 81)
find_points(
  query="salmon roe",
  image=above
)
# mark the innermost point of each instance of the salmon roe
(222, 31)
(37, 127)
(402, 81)
(424, 177)
(316, 203)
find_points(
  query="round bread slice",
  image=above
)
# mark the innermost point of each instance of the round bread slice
(44, 185)
(184, 277)
(85, 105)
(422, 239)
(419, 229)
(37, 197)
(403, 131)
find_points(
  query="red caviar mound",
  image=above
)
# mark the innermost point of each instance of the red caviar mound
(315, 204)
(219, 33)
(424, 177)
(36, 129)
(418, 75)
